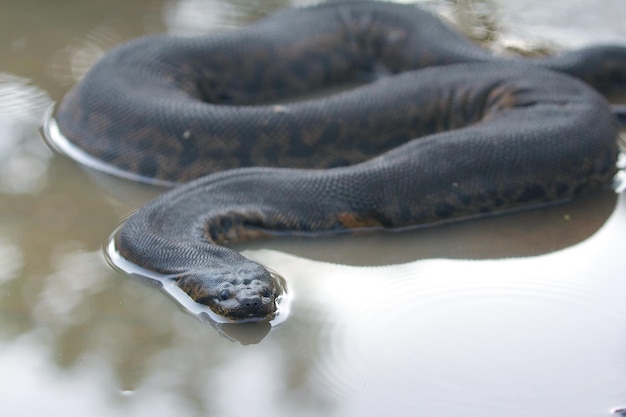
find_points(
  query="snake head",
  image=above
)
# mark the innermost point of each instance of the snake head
(245, 294)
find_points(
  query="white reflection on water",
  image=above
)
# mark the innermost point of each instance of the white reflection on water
(23, 158)
(245, 375)
(564, 24)
(84, 391)
(68, 65)
(77, 275)
(206, 16)
(200, 16)
(11, 260)
(517, 337)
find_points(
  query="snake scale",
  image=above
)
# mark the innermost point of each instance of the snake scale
(437, 129)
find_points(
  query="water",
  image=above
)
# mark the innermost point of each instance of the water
(518, 315)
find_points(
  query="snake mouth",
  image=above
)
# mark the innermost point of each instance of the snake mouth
(245, 306)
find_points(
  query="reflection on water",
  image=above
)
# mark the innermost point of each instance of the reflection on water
(201, 16)
(526, 337)
(206, 16)
(77, 276)
(564, 25)
(69, 64)
(541, 334)
(11, 260)
(23, 162)
(502, 333)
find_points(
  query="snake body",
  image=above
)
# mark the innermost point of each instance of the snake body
(441, 130)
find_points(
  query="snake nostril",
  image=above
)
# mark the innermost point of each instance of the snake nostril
(252, 303)
(250, 299)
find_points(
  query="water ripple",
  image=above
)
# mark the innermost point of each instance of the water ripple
(462, 337)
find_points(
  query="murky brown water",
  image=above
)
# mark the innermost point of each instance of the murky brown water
(519, 315)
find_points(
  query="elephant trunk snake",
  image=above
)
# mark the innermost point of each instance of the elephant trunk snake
(439, 129)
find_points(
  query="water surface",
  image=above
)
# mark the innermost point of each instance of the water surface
(518, 315)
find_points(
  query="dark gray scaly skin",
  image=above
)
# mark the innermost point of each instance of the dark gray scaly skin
(473, 134)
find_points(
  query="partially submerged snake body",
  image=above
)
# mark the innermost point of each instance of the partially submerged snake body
(470, 135)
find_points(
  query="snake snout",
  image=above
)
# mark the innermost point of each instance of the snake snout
(250, 298)
(254, 294)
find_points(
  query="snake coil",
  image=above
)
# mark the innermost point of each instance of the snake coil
(441, 130)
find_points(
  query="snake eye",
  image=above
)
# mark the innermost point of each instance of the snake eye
(224, 294)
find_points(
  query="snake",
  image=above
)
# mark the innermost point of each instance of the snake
(332, 118)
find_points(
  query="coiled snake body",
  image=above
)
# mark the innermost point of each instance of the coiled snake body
(441, 130)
